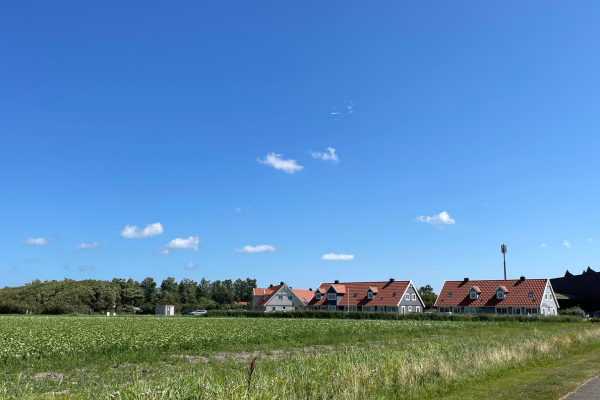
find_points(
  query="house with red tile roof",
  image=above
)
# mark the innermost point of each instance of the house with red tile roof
(512, 296)
(388, 296)
(280, 298)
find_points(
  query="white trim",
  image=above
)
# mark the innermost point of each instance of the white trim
(292, 301)
(436, 300)
(548, 283)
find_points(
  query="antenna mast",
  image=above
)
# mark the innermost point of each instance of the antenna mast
(503, 250)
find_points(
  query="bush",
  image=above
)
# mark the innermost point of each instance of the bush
(321, 314)
(575, 311)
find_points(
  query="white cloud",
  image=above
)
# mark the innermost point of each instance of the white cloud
(85, 246)
(566, 244)
(543, 245)
(340, 257)
(438, 220)
(238, 210)
(189, 243)
(38, 241)
(590, 240)
(190, 265)
(326, 156)
(275, 160)
(133, 232)
(85, 268)
(256, 249)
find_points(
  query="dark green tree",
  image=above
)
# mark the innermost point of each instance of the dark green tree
(428, 296)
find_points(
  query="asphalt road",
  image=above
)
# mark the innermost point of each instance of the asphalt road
(589, 391)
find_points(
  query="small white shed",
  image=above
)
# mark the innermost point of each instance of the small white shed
(164, 310)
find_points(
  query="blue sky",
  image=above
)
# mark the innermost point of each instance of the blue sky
(137, 113)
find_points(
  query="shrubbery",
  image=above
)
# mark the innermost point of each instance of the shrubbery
(318, 314)
(575, 311)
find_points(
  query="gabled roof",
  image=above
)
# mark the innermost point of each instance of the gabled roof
(384, 289)
(500, 287)
(517, 293)
(373, 289)
(339, 288)
(303, 295)
(476, 289)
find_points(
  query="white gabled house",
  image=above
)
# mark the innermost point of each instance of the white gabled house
(280, 298)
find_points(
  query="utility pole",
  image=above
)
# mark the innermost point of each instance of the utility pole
(114, 304)
(503, 250)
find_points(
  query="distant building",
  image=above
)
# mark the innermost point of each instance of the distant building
(511, 296)
(388, 296)
(164, 310)
(280, 298)
(578, 290)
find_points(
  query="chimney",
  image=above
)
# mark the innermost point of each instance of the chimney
(281, 283)
(522, 279)
(466, 280)
(336, 282)
(271, 285)
(392, 280)
(310, 289)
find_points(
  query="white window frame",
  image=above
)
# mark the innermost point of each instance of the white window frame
(418, 309)
(403, 310)
(409, 308)
(318, 296)
(543, 310)
(500, 295)
(407, 297)
(473, 294)
(502, 308)
(370, 295)
(414, 296)
(331, 296)
(279, 297)
(331, 308)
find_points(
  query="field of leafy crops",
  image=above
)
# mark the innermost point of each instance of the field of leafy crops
(183, 358)
(41, 337)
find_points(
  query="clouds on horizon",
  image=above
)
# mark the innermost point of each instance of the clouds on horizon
(39, 241)
(256, 249)
(331, 156)
(275, 160)
(133, 232)
(86, 246)
(190, 243)
(338, 257)
(438, 220)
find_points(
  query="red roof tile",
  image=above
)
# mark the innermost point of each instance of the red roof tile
(517, 293)
(388, 294)
(301, 293)
(304, 295)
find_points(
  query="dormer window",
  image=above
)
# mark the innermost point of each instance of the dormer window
(370, 295)
(500, 295)
(331, 296)
(473, 295)
(318, 296)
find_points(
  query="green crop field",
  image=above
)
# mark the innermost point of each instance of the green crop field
(71, 357)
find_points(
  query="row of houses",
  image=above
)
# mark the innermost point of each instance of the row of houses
(516, 296)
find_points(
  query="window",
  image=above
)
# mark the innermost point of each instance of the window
(473, 294)
(530, 294)
(456, 310)
(500, 295)
(473, 310)
(393, 294)
(370, 295)
(502, 310)
(444, 309)
(531, 311)
(272, 308)
(318, 295)
(543, 311)
(331, 296)
(409, 308)
(290, 298)
(393, 309)
(403, 310)
(283, 308)
(418, 309)
(546, 296)
(355, 294)
(280, 297)
(449, 294)
(407, 297)
(331, 308)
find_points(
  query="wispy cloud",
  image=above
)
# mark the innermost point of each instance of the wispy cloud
(190, 265)
(438, 220)
(133, 232)
(238, 210)
(189, 243)
(590, 240)
(85, 268)
(275, 160)
(566, 244)
(86, 246)
(256, 249)
(543, 245)
(338, 257)
(327, 156)
(39, 241)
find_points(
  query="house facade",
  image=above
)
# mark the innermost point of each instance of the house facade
(513, 296)
(280, 298)
(387, 296)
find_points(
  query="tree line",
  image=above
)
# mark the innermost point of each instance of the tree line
(68, 295)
